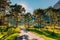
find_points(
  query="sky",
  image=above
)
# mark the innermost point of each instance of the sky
(30, 5)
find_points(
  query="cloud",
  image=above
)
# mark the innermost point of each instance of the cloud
(27, 7)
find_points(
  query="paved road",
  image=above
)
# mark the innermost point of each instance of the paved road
(27, 35)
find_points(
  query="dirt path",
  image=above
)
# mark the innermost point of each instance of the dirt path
(27, 35)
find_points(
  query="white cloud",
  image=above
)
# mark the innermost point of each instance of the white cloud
(27, 7)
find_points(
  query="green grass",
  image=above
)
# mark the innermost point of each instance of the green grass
(9, 33)
(47, 35)
(12, 37)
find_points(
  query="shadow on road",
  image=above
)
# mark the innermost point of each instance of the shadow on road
(23, 37)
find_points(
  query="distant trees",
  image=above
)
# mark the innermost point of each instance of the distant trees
(38, 14)
(27, 19)
(52, 17)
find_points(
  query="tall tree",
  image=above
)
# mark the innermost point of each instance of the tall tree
(38, 13)
(27, 18)
(4, 6)
(58, 16)
(17, 11)
(52, 13)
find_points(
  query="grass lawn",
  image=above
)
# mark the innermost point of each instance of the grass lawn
(12, 37)
(9, 33)
(45, 34)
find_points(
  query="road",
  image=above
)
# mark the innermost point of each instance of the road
(27, 35)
